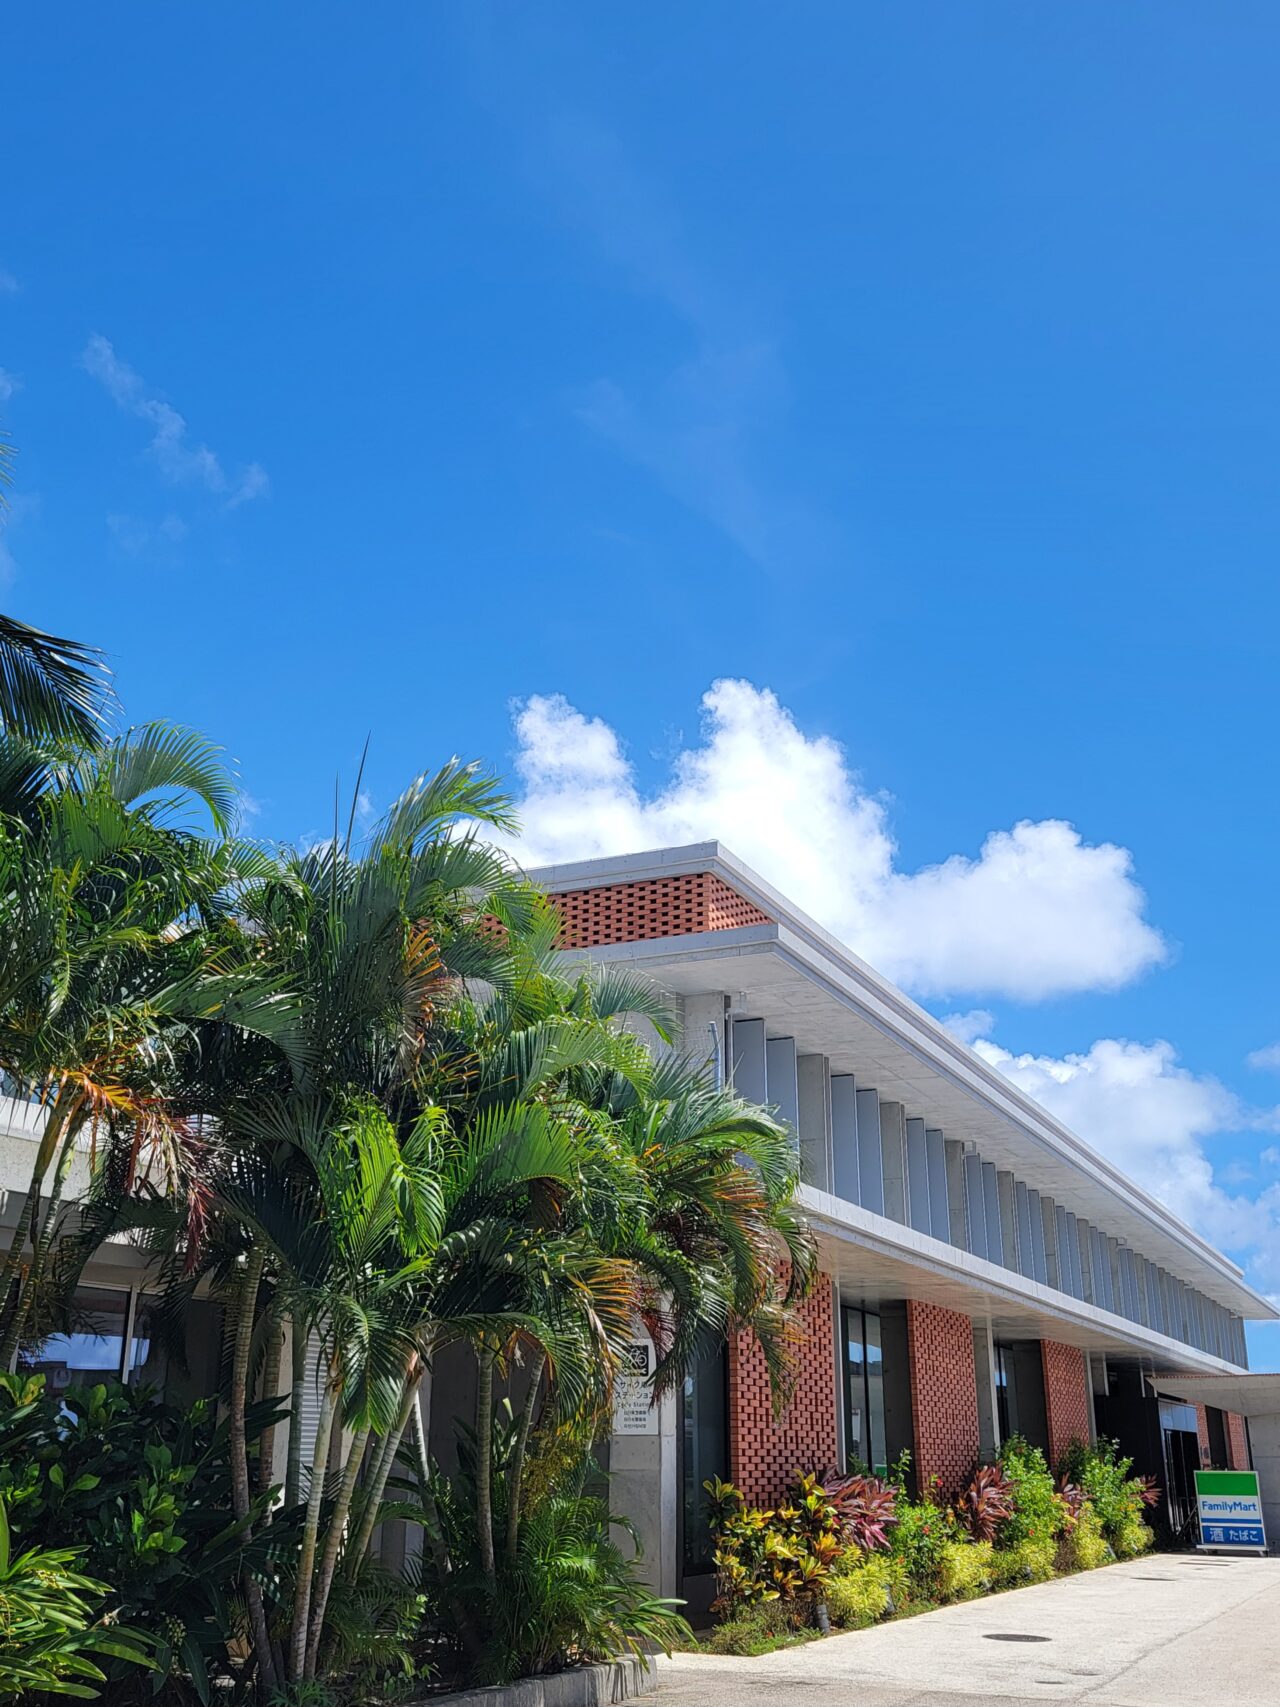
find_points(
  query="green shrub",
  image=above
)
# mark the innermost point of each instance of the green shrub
(1039, 1513)
(766, 1555)
(1086, 1547)
(967, 1569)
(755, 1630)
(1132, 1538)
(865, 1588)
(1118, 1497)
(1029, 1561)
(919, 1539)
(50, 1642)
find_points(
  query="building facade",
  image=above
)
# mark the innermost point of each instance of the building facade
(983, 1270)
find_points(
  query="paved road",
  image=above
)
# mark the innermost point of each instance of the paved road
(1170, 1631)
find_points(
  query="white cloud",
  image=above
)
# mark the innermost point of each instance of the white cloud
(968, 1027)
(1153, 1117)
(1266, 1060)
(177, 459)
(1038, 912)
(9, 383)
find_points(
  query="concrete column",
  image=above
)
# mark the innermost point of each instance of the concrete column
(984, 1369)
(704, 1032)
(645, 1483)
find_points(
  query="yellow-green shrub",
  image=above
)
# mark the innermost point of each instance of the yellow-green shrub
(866, 1587)
(967, 1569)
(1026, 1561)
(1132, 1538)
(1086, 1546)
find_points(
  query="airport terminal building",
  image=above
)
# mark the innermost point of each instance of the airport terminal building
(983, 1270)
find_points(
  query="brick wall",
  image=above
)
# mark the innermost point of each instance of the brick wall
(944, 1394)
(1237, 1442)
(658, 907)
(1202, 1429)
(764, 1453)
(1066, 1396)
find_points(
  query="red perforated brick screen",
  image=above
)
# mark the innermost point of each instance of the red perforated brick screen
(764, 1454)
(1237, 1442)
(1066, 1396)
(944, 1394)
(658, 907)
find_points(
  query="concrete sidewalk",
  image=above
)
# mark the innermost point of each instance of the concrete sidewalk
(1173, 1630)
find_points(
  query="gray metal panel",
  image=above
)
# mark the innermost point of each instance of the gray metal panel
(813, 1096)
(976, 1203)
(1008, 1218)
(1043, 1239)
(1066, 1266)
(870, 1164)
(957, 1211)
(749, 1078)
(1111, 1255)
(939, 1202)
(844, 1136)
(918, 1177)
(893, 1152)
(780, 1079)
(1084, 1241)
(1022, 1215)
(991, 1203)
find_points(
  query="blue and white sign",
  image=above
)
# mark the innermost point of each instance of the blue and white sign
(1230, 1511)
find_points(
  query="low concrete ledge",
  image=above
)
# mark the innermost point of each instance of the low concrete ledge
(581, 1686)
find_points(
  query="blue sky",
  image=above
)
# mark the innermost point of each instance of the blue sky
(916, 364)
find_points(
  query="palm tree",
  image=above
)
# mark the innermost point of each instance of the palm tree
(51, 688)
(107, 904)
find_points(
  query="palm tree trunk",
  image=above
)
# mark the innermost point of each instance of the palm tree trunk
(484, 1459)
(48, 1218)
(239, 1447)
(333, 1546)
(310, 1531)
(270, 1390)
(298, 1370)
(67, 1101)
(378, 1480)
(515, 1470)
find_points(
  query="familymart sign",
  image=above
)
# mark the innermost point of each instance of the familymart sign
(1230, 1510)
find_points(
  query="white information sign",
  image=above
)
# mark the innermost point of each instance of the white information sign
(633, 1412)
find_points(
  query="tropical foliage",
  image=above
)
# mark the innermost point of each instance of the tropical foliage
(851, 1551)
(350, 1094)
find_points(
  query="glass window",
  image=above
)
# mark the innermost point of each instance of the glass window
(91, 1349)
(864, 1391)
(704, 1424)
(1006, 1392)
(147, 1358)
